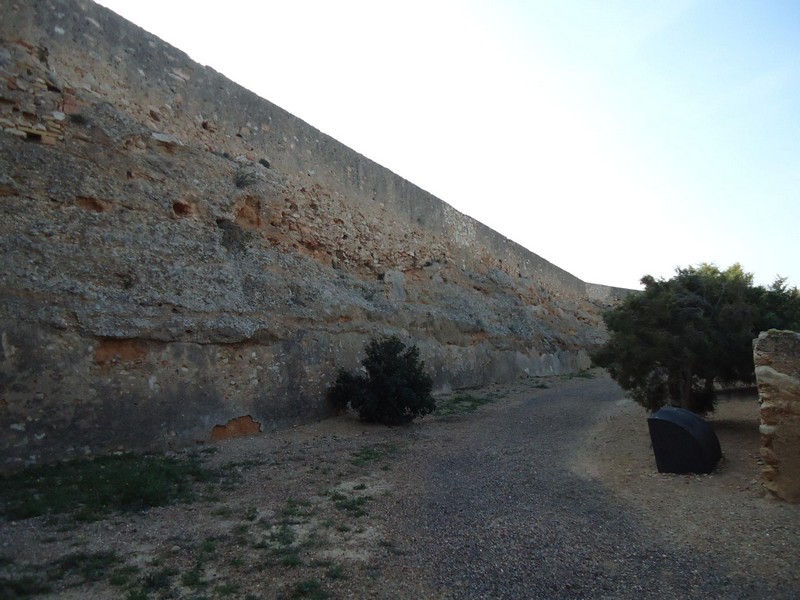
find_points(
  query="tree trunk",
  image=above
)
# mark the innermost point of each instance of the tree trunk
(686, 388)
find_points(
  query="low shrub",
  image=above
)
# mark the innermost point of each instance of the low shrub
(394, 389)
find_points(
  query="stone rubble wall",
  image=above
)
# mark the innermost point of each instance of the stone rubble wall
(605, 295)
(183, 260)
(777, 360)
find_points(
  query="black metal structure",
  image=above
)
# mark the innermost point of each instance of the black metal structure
(682, 441)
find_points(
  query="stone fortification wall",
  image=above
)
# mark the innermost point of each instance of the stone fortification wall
(160, 84)
(605, 295)
(179, 254)
(777, 359)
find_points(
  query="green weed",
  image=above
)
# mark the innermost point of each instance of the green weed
(209, 546)
(77, 568)
(459, 404)
(285, 535)
(291, 559)
(227, 589)
(193, 578)
(89, 490)
(336, 572)
(371, 453)
(159, 580)
(123, 576)
(354, 506)
(137, 594)
(23, 586)
(581, 375)
(309, 588)
(236, 561)
(88, 567)
(297, 508)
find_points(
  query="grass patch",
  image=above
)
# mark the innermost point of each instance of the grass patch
(459, 404)
(193, 578)
(209, 546)
(309, 588)
(222, 511)
(249, 463)
(297, 508)
(24, 586)
(336, 572)
(87, 567)
(585, 374)
(284, 535)
(137, 594)
(372, 453)
(123, 576)
(354, 506)
(314, 540)
(291, 559)
(391, 548)
(77, 568)
(159, 580)
(89, 490)
(227, 589)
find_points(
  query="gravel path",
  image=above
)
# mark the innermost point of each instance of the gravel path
(501, 515)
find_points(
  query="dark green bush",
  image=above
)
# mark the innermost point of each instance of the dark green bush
(395, 388)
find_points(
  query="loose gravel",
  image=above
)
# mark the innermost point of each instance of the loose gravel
(501, 514)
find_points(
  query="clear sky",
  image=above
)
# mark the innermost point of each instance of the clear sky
(615, 138)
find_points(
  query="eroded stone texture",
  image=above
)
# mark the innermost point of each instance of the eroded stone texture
(777, 359)
(178, 252)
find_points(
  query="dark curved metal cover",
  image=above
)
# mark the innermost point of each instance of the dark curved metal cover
(683, 442)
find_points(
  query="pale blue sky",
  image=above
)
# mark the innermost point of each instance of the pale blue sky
(613, 138)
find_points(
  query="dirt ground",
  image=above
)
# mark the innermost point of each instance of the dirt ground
(311, 513)
(727, 509)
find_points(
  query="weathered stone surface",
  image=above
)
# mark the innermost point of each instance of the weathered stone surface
(777, 360)
(161, 276)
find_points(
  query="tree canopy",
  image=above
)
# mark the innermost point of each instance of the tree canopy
(671, 343)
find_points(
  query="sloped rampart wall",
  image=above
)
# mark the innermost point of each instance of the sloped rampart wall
(182, 258)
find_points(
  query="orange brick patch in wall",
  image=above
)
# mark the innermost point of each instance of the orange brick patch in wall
(110, 351)
(238, 427)
(248, 213)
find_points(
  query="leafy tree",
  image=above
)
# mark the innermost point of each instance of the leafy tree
(675, 340)
(395, 388)
(779, 306)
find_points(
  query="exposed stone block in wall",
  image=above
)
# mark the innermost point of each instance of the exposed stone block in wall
(777, 360)
(109, 351)
(248, 213)
(238, 427)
